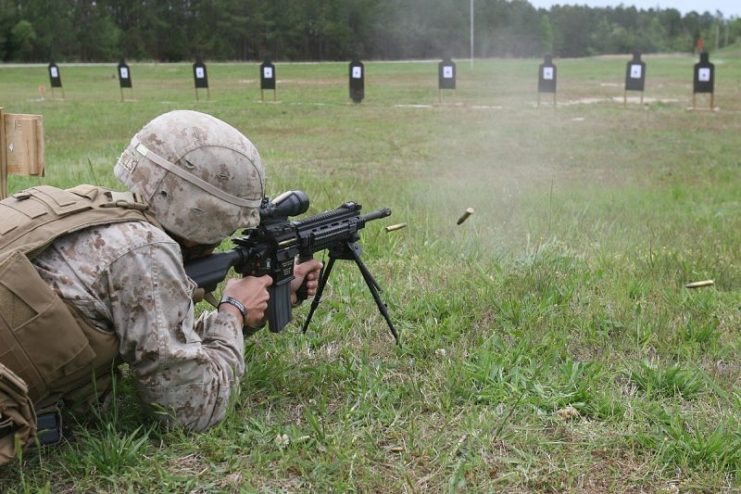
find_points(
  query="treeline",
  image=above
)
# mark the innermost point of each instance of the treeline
(174, 30)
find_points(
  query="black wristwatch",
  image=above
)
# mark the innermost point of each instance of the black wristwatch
(237, 304)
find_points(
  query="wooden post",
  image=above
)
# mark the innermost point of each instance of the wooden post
(3, 158)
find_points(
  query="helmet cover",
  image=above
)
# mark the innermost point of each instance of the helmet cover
(201, 177)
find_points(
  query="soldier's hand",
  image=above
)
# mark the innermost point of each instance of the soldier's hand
(306, 271)
(253, 293)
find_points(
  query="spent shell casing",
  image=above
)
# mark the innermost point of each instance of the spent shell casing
(468, 212)
(700, 284)
(393, 228)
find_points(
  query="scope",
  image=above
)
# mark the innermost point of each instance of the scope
(289, 203)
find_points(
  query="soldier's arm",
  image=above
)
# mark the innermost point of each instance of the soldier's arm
(188, 370)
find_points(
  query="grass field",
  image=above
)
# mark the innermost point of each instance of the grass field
(548, 344)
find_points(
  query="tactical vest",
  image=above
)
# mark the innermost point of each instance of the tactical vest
(44, 341)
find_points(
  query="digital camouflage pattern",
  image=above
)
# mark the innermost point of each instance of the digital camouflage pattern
(201, 177)
(129, 279)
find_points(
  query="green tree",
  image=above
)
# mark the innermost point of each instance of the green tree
(22, 39)
(546, 34)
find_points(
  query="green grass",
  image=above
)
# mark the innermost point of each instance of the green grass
(564, 289)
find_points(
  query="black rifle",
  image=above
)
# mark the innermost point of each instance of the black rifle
(272, 247)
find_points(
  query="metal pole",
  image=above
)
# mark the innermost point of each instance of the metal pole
(471, 34)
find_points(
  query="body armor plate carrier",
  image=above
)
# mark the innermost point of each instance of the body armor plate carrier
(48, 352)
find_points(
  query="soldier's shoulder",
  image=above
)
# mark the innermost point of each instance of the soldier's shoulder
(139, 232)
(112, 241)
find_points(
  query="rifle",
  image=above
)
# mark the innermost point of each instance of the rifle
(271, 248)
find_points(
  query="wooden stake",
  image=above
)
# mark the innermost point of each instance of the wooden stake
(38, 169)
(3, 158)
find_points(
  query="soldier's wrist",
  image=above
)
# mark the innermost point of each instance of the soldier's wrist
(233, 306)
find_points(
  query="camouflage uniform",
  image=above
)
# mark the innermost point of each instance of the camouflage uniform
(128, 278)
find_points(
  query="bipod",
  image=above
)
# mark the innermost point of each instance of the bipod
(350, 251)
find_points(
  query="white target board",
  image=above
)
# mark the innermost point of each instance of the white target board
(636, 71)
(448, 72)
(357, 72)
(703, 75)
(199, 73)
(548, 73)
(267, 72)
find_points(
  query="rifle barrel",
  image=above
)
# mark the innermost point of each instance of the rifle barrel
(374, 215)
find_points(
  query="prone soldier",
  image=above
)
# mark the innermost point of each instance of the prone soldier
(91, 277)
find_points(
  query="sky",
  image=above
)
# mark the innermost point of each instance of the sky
(729, 8)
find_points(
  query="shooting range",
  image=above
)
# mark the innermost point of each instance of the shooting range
(357, 81)
(21, 147)
(564, 278)
(55, 78)
(703, 80)
(124, 77)
(200, 78)
(635, 77)
(267, 79)
(547, 78)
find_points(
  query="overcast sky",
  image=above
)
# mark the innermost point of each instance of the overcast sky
(729, 8)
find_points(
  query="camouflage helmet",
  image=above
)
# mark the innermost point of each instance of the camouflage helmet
(200, 176)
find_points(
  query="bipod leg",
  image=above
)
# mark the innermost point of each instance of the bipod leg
(320, 289)
(374, 289)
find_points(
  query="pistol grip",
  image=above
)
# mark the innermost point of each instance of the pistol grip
(303, 292)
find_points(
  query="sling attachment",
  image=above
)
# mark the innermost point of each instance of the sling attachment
(49, 426)
(127, 200)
